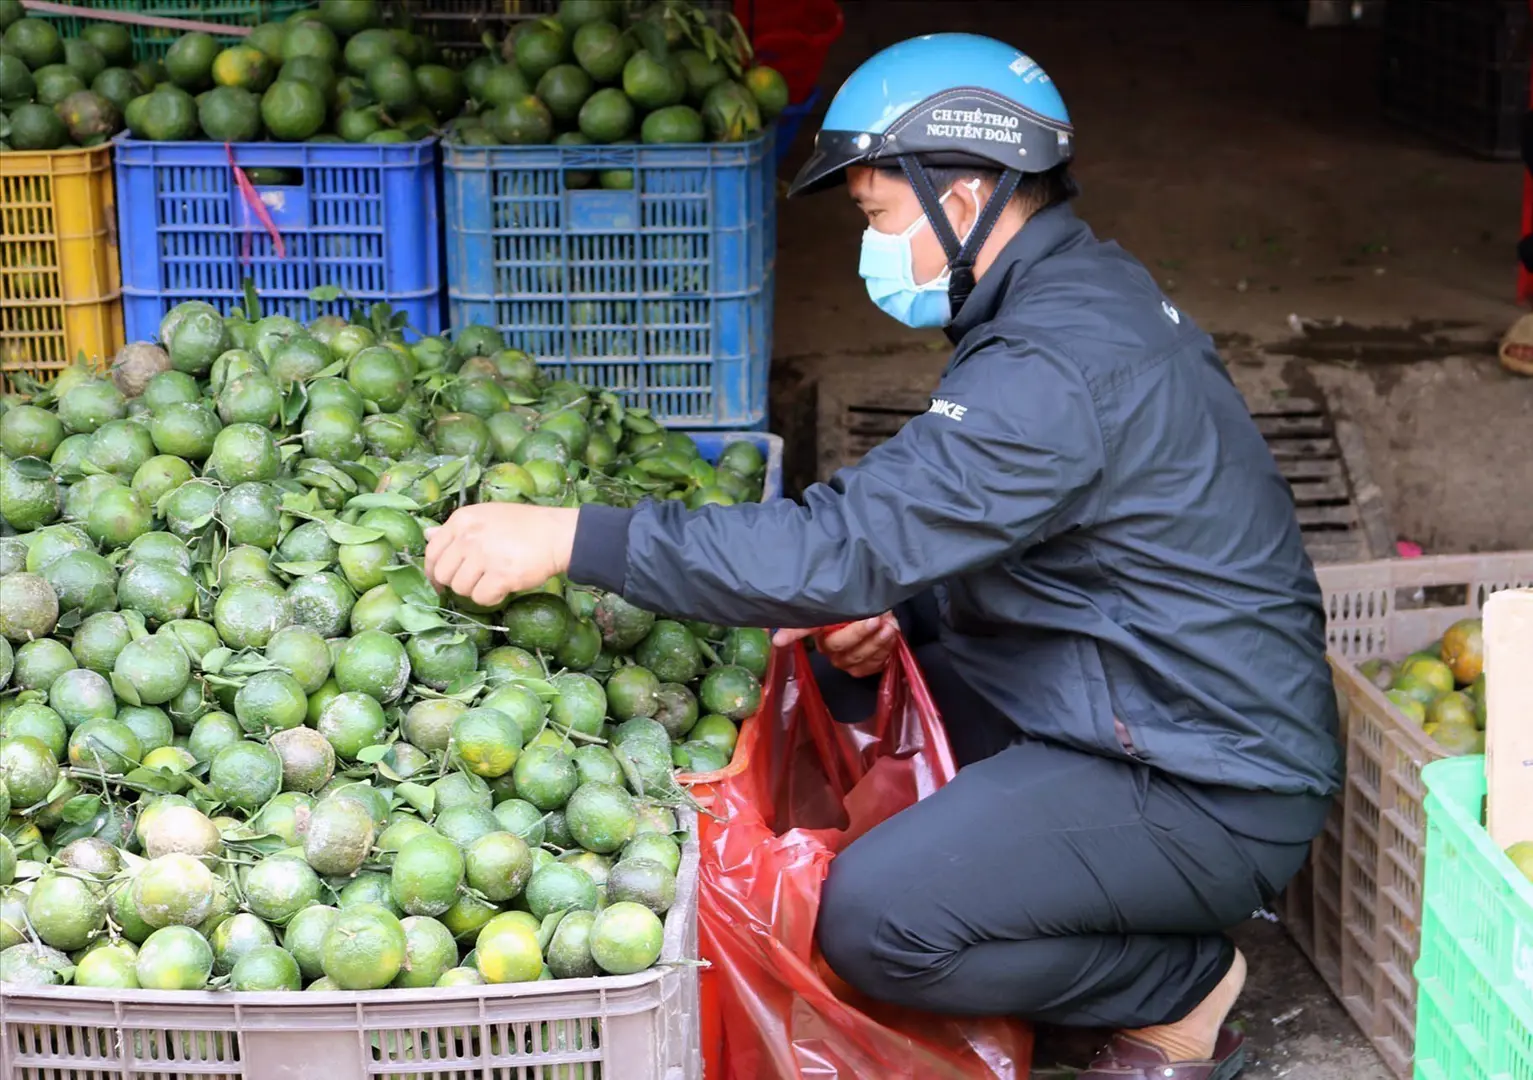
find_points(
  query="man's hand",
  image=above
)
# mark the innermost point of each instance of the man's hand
(860, 648)
(489, 551)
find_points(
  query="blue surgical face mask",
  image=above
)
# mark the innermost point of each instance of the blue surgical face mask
(887, 266)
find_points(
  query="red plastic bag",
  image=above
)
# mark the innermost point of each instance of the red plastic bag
(803, 788)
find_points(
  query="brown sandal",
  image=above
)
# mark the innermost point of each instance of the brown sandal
(1128, 1058)
(1517, 347)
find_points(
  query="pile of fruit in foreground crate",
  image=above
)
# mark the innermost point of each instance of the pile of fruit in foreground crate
(247, 745)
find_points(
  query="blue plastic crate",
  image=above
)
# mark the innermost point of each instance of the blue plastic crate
(711, 445)
(662, 292)
(364, 217)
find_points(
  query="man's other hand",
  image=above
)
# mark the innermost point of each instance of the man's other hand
(859, 648)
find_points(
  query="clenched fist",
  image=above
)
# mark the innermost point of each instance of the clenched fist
(489, 551)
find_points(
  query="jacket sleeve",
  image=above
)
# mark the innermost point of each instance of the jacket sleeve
(1010, 454)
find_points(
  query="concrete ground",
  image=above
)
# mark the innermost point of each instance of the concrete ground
(1243, 158)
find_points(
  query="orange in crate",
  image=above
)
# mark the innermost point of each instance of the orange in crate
(60, 282)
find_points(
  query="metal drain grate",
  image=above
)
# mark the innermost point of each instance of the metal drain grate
(1340, 509)
(1303, 438)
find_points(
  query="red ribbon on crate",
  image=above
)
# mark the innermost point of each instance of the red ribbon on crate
(253, 200)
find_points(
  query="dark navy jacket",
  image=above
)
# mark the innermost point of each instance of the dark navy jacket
(1115, 556)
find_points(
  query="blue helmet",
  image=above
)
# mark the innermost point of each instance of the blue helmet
(943, 99)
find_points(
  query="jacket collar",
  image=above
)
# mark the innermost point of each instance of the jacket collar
(1041, 235)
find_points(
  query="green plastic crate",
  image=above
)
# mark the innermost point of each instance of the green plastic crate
(1474, 1018)
(153, 42)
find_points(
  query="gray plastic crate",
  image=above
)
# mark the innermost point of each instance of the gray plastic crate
(631, 1027)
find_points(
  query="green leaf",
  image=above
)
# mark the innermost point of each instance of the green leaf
(293, 405)
(153, 779)
(386, 500)
(214, 660)
(372, 754)
(304, 506)
(739, 39)
(388, 773)
(249, 663)
(423, 799)
(414, 619)
(651, 37)
(30, 870)
(342, 479)
(70, 619)
(323, 294)
(550, 924)
(81, 808)
(252, 301)
(125, 690)
(545, 690)
(302, 569)
(630, 771)
(329, 371)
(342, 533)
(445, 474)
(470, 683)
(60, 786)
(32, 468)
(520, 399)
(410, 585)
(137, 628)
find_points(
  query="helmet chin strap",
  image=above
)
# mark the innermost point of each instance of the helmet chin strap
(960, 256)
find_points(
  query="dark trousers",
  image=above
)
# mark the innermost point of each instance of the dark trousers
(1042, 882)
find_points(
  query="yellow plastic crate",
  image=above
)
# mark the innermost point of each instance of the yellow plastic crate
(60, 283)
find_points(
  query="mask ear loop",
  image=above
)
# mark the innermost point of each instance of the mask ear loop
(960, 255)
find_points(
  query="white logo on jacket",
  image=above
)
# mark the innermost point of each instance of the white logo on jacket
(1171, 312)
(949, 409)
